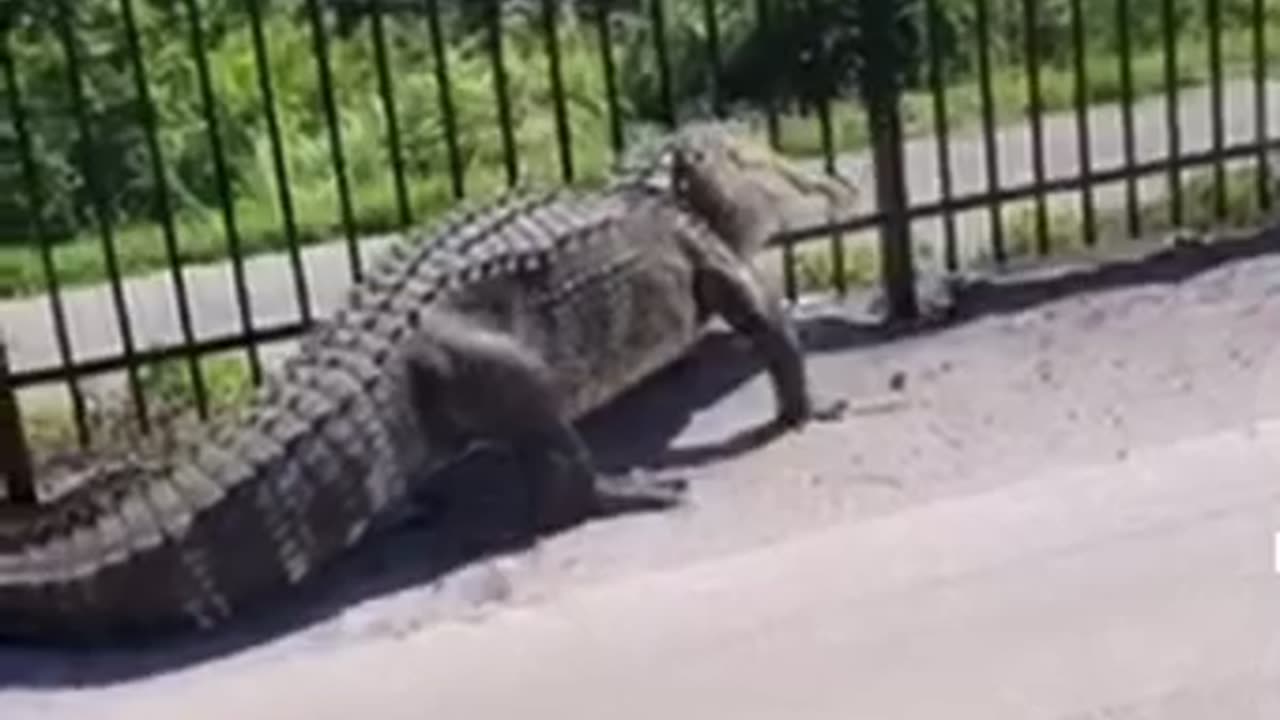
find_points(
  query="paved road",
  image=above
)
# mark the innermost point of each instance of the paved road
(27, 323)
(1063, 515)
(1139, 590)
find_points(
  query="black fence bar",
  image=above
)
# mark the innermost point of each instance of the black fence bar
(288, 218)
(892, 218)
(827, 133)
(1022, 191)
(867, 221)
(897, 274)
(767, 13)
(710, 17)
(101, 211)
(941, 131)
(387, 92)
(444, 95)
(658, 16)
(1261, 98)
(1169, 23)
(881, 91)
(1035, 110)
(1084, 139)
(35, 195)
(1125, 42)
(501, 91)
(564, 136)
(320, 48)
(1213, 16)
(790, 282)
(222, 176)
(608, 67)
(765, 18)
(989, 139)
(164, 205)
(15, 457)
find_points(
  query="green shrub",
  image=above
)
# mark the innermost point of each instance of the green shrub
(122, 164)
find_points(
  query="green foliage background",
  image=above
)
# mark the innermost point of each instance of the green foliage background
(756, 62)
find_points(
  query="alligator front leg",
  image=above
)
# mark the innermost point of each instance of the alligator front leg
(488, 386)
(731, 288)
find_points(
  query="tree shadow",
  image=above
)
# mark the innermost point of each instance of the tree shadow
(475, 522)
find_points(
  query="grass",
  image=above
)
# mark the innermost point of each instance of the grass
(201, 237)
(1067, 229)
(816, 271)
(171, 399)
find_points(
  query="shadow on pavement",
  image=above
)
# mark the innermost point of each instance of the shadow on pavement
(636, 431)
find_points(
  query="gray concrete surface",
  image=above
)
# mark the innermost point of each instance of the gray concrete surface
(1140, 589)
(27, 323)
(1066, 513)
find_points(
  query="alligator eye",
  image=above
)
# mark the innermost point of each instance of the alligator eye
(689, 156)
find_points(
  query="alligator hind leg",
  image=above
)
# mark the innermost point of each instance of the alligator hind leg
(730, 288)
(561, 462)
(486, 385)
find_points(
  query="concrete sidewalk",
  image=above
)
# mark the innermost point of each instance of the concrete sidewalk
(1141, 589)
(94, 327)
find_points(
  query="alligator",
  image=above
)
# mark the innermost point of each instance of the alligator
(503, 323)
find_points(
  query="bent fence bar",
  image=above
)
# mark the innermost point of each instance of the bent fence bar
(15, 460)
(162, 132)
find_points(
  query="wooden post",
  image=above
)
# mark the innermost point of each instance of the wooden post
(15, 458)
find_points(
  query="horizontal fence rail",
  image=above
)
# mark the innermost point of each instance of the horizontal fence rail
(143, 137)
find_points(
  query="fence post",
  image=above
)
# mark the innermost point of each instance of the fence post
(880, 76)
(15, 459)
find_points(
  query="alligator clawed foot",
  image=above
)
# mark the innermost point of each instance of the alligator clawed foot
(821, 411)
(829, 410)
(638, 491)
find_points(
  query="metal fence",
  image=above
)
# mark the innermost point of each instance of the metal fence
(107, 165)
